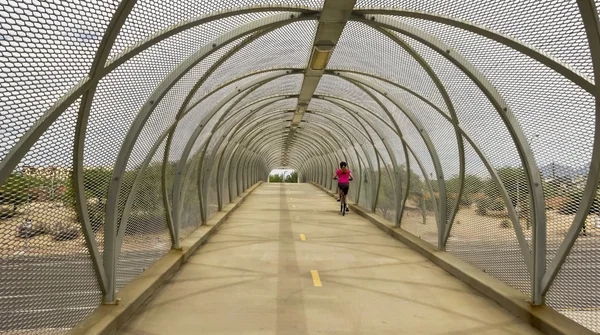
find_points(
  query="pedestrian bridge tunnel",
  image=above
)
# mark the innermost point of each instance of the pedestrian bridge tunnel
(127, 125)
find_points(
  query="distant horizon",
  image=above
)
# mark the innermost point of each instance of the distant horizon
(561, 170)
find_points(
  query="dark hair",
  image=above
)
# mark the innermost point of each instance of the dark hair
(342, 164)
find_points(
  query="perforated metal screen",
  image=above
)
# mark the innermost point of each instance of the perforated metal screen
(127, 125)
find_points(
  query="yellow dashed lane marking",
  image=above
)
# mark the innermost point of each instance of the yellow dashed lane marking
(293, 206)
(316, 278)
(303, 237)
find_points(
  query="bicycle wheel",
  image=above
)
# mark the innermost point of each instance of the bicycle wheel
(343, 201)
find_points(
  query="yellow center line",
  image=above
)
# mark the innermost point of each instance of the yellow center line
(293, 206)
(303, 237)
(315, 277)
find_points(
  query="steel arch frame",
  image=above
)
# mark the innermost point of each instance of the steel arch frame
(532, 174)
(86, 89)
(109, 257)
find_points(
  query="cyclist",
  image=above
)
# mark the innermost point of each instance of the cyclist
(344, 176)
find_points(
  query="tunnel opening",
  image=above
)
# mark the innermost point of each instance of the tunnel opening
(283, 176)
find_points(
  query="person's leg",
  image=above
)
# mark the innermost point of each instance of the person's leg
(347, 201)
(345, 195)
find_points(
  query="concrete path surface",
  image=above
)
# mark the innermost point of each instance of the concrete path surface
(286, 262)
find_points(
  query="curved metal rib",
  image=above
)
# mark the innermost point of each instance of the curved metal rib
(533, 177)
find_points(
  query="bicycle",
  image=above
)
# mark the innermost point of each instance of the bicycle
(343, 202)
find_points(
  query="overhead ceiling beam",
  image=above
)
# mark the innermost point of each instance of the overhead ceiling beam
(333, 18)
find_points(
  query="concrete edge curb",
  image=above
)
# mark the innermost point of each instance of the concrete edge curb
(106, 319)
(544, 318)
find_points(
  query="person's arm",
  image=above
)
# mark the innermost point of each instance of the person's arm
(351, 176)
(335, 175)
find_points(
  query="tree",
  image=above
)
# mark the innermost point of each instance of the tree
(292, 178)
(386, 200)
(149, 193)
(276, 178)
(95, 184)
(473, 185)
(15, 191)
(515, 183)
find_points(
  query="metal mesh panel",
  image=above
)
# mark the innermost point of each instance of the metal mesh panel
(539, 89)
(362, 48)
(339, 109)
(47, 280)
(554, 27)
(286, 47)
(44, 52)
(190, 208)
(212, 188)
(334, 86)
(146, 236)
(478, 117)
(149, 17)
(233, 181)
(223, 154)
(438, 128)
(187, 126)
(561, 145)
(357, 169)
(386, 201)
(125, 90)
(574, 291)
(285, 85)
(418, 217)
(164, 114)
(435, 126)
(131, 35)
(482, 234)
(369, 180)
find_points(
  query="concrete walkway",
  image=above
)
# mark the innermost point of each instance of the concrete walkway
(258, 276)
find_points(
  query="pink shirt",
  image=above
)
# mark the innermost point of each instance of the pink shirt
(343, 177)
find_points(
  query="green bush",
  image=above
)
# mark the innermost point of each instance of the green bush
(280, 178)
(292, 178)
(14, 191)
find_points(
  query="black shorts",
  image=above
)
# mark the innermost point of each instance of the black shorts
(344, 187)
